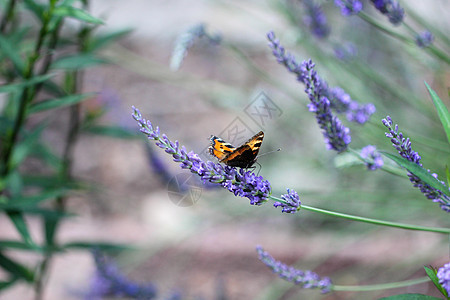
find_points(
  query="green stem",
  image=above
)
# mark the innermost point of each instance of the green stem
(383, 28)
(7, 17)
(369, 220)
(27, 94)
(376, 287)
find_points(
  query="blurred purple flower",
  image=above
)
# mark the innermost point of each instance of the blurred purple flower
(444, 277)
(308, 279)
(370, 153)
(340, 101)
(425, 39)
(391, 9)
(291, 202)
(108, 281)
(403, 146)
(186, 40)
(349, 7)
(345, 52)
(315, 19)
(241, 183)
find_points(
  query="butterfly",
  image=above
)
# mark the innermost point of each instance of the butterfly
(243, 156)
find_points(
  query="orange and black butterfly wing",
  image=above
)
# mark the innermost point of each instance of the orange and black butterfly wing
(245, 155)
(219, 148)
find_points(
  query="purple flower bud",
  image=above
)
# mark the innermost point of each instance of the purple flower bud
(444, 277)
(349, 7)
(374, 159)
(308, 279)
(403, 146)
(425, 39)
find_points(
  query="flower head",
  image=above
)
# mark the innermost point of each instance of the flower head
(291, 202)
(425, 39)
(339, 101)
(186, 40)
(444, 277)
(109, 281)
(345, 52)
(374, 159)
(349, 7)
(308, 279)
(241, 183)
(315, 19)
(403, 146)
(391, 9)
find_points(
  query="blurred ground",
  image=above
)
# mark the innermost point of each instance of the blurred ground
(210, 246)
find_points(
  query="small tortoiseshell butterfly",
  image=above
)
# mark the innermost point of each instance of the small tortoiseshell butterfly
(243, 156)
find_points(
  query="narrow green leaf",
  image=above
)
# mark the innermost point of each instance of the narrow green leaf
(419, 172)
(12, 87)
(59, 102)
(432, 273)
(79, 61)
(17, 245)
(26, 146)
(37, 9)
(41, 212)
(10, 50)
(443, 113)
(30, 201)
(6, 284)
(76, 13)
(447, 172)
(19, 222)
(16, 269)
(410, 297)
(103, 246)
(104, 40)
(113, 131)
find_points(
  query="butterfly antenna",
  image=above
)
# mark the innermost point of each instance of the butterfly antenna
(279, 149)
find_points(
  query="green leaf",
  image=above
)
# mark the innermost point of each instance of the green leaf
(443, 113)
(103, 246)
(10, 50)
(19, 222)
(418, 171)
(59, 102)
(76, 62)
(37, 9)
(6, 284)
(104, 40)
(26, 146)
(12, 87)
(17, 245)
(432, 273)
(16, 269)
(113, 131)
(76, 13)
(410, 297)
(29, 201)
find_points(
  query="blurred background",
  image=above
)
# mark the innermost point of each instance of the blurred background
(199, 240)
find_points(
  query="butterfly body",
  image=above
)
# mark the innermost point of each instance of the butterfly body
(243, 156)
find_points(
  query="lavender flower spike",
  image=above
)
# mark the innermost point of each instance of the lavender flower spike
(308, 279)
(291, 202)
(108, 281)
(315, 19)
(336, 135)
(444, 277)
(240, 183)
(391, 9)
(425, 39)
(339, 100)
(403, 146)
(373, 158)
(349, 7)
